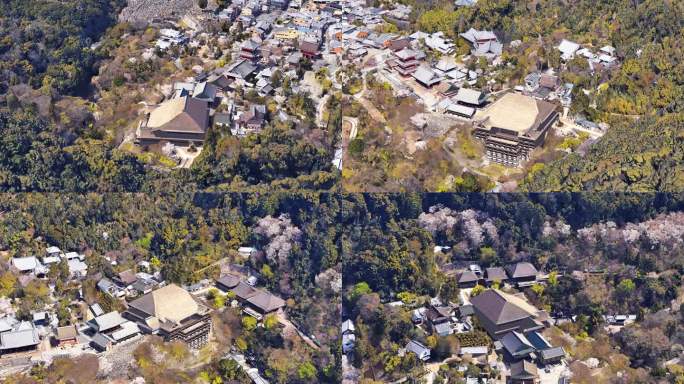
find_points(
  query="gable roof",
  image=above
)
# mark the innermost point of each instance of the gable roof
(469, 96)
(468, 276)
(168, 303)
(241, 69)
(568, 47)
(417, 348)
(127, 329)
(523, 370)
(53, 249)
(100, 341)
(446, 64)
(67, 332)
(7, 322)
(229, 280)
(182, 114)
(426, 75)
(443, 328)
(26, 263)
(77, 266)
(523, 269)
(108, 321)
(250, 45)
(266, 301)
(517, 344)
(96, 309)
(479, 350)
(20, 338)
(348, 326)
(308, 46)
(496, 274)
(407, 53)
(473, 35)
(501, 308)
(552, 353)
(244, 291)
(205, 91)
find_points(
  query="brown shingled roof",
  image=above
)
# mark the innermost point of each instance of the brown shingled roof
(229, 280)
(169, 303)
(523, 370)
(496, 274)
(266, 301)
(183, 114)
(244, 291)
(66, 333)
(468, 277)
(501, 308)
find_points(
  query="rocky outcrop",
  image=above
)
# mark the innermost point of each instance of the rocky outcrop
(148, 11)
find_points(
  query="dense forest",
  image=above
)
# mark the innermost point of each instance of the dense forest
(36, 158)
(388, 233)
(646, 155)
(184, 237)
(46, 43)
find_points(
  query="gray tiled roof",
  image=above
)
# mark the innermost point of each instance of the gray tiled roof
(523, 269)
(416, 347)
(552, 353)
(266, 301)
(523, 370)
(517, 344)
(496, 273)
(19, 339)
(108, 321)
(467, 277)
(229, 280)
(244, 291)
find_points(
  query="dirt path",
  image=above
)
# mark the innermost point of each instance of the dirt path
(372, 110)
(320, 110)
(567, 123)
(456, 155)
(292, 331)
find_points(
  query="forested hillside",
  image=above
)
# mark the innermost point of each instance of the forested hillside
(46, 43)
(35, 158)
(647, 155)
(391, 237)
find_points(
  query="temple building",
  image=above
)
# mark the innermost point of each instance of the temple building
(514, 126)
(183, 121)
(172, 313)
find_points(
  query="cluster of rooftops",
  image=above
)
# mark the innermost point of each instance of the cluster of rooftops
(40, 265)
(514, 325)
(153, 307)
(605, 58)
(520, 274)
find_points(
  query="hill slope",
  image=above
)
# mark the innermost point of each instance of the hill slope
(647, 155)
